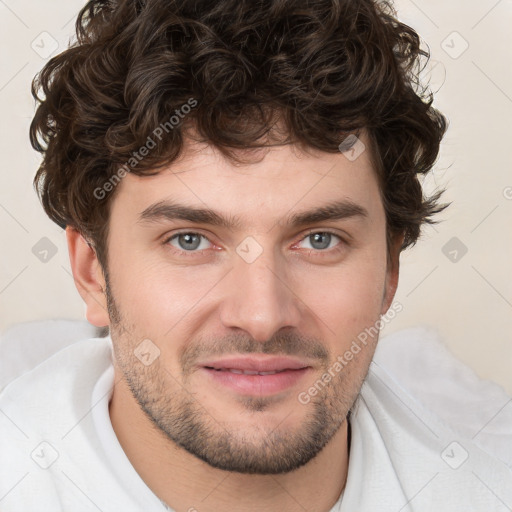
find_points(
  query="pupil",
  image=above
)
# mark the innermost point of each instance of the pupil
(189, 241)
(317, 239)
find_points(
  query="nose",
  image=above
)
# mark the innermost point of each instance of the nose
(259, 297)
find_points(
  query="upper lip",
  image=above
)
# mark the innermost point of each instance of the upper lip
(258, 364)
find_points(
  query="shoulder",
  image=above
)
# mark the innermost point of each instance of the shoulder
(55, 388)
(37, 409)
(416, 365)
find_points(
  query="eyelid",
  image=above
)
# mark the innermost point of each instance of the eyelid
(176, 234)
(312, 231)
(343, 235)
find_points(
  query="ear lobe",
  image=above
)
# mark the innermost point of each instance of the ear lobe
(88, 277)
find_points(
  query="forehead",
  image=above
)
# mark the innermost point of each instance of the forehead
(285, 180)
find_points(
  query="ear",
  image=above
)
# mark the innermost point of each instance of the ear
(392, 273)
(89, 278)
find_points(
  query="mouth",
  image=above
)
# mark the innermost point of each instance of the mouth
(245, 372)
(256, 375)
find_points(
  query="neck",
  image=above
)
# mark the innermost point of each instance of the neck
(186, 483)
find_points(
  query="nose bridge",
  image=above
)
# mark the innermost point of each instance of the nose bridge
(259, 298)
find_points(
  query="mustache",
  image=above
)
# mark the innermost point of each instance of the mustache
(288, 343)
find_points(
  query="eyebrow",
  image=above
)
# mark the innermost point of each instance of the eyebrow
(167, 211)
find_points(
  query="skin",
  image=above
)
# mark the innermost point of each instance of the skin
(294, 298)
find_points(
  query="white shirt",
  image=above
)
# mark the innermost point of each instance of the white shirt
(59, 453)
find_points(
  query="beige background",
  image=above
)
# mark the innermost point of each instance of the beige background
(469, 300)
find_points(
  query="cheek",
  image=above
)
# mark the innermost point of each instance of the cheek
(157, 296)
(134, 287)
(347, 299)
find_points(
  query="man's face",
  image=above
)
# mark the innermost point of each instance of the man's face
(193, 317)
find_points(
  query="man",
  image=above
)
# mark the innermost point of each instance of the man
(237, 180)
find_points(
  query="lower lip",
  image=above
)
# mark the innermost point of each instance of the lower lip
(261, 385)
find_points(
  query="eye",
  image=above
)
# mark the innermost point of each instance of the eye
(188, 241)
(321, 240)
(193, 243)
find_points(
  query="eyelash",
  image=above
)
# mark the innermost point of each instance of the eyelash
(191, 254)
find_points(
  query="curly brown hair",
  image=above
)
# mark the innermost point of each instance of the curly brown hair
(326, 68)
